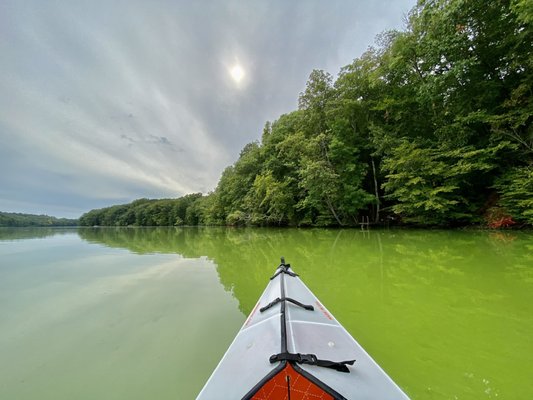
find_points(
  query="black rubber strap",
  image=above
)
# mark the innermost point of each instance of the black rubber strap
(311, 359)
(280, 299)
(283, 271)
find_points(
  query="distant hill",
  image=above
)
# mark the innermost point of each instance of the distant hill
(18, 219)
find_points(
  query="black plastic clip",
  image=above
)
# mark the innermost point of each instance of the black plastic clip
(280, 299)
(284, 271)
(311, 359)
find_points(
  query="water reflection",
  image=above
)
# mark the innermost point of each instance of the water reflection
(443, 311)
(12, 234)
(246, 257)
(79, 321)
(447, 313)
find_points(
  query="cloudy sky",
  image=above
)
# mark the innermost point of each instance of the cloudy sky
(103, 102)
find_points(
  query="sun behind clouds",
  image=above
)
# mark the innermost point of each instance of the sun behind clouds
(237, 73)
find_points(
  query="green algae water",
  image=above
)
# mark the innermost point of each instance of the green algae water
(148, 313)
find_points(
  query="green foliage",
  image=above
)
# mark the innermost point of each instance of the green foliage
(269, 201)
(235, 183)
(187, 210)
(19, 219)
(524, 10)
(315, 100)
(516, 193)
(434, 185)
(237, 218)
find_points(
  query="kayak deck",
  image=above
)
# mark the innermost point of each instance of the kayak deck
(291, 347)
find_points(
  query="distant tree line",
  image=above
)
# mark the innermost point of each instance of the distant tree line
(17, 220)
(187, 210)
(430, 127)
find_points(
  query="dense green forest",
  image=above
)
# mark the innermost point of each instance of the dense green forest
(432, 126)
(17, 219)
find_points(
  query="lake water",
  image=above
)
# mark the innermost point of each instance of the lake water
(148, 313)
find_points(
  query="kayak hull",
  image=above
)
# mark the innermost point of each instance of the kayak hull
(290, 322)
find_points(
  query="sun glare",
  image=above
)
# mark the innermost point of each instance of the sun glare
(237, 73)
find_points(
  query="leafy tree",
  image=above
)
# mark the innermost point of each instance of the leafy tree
(314, 101)
(516, 191)
(431, 185)
(269, 201)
